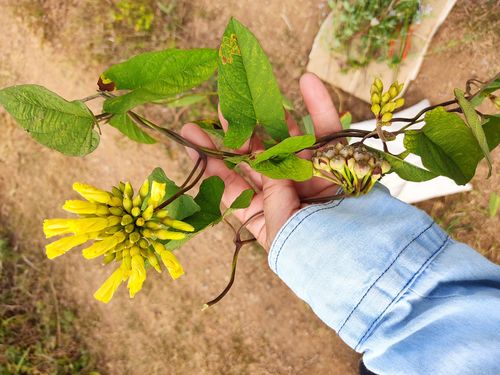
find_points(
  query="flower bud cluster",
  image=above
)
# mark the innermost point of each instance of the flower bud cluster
(125, 229)
(354, 168)
(385, 103)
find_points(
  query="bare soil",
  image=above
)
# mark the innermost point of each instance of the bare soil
(261, 327)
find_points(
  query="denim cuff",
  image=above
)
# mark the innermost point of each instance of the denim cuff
(351, 259)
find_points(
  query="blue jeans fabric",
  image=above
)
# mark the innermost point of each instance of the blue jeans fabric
(393, 285)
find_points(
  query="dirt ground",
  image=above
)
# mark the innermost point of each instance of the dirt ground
(261, 327)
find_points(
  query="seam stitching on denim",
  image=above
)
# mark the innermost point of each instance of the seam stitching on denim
(296, 226)
(382, 274)
(403, 288)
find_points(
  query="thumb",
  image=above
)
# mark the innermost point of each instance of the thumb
(281, 201)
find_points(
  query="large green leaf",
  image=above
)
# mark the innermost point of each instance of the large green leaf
(156, 75)
(124, 124)
(290, 145)
(208, 199)
(180, 208)
(446, 145)
(474, 122)
(248, 91)
(403, 169)
(285, 167)
(67, 127)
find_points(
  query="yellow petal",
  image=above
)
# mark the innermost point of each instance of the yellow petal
(98, 248)
(63, 245)
(106, 291)
(92, 193)
(85, 208)
(56, 227)
(91, 224)
(173, 266)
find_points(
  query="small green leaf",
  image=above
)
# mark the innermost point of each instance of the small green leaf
(208, 200)
(287, 104)
(67, 127)
(403, 169)
(491, 128)
(290, 145)
(346, 120)
(124, 124)
(493, 204)
(212, 127)
(307, 125)
(248, 91)
(489, 88)
(156, 75)
(285, 167)
(474, 123)
(180, 208)
(446, 145)
(243, 200)
(185, 101)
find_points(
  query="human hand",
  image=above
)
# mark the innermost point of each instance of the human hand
(278, 199)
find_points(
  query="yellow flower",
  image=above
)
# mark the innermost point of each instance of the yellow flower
(125, 229)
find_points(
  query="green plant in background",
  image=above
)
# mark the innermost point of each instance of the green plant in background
(454, 139)
(37, 333)
(133, 13)
(366, 31)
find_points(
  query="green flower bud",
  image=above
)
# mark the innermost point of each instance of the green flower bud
(148, 213)
(136, 211)
(143, 243)
(161, 214)
(143, 191)
(399, 103)
(140, 222)
(129, 228)
(127, 203)
(137, 201)
(385, 98)
(127, 219)
(134, 237)
(378, 83)
(393, 92)
(375, 98)
(116, 192)
(375, 109)
(153, 225)
(108, 258)
(117, 211)
(129, 190)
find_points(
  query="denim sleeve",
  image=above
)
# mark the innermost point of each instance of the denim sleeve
(393, 285)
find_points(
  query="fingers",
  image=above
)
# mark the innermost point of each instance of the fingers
(319, 105)
(280, 202)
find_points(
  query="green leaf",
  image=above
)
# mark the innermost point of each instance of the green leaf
(491, 128)
(346, 120)
(287, 104)
(489, 88)
(180, 208)
(212, 127)
(307, 125)
(185, 101)
(241, 202)
(156, 75)
(208, 199)
(285, 167)
(248, 91)
(473, 121)
(446, 145)
(403, 169)
(67, 127)
(493, 204)
(124, 124)
(290, 145)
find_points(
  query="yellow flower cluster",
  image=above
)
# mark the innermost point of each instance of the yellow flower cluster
(125, 229)
(384, 104)
(354, 168)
